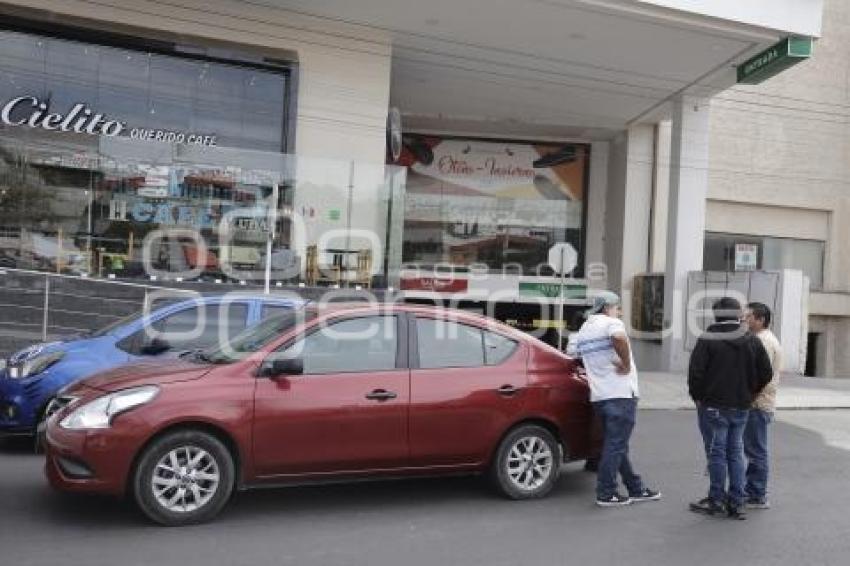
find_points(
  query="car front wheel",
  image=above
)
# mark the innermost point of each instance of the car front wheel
(527, 463)
(185, 477)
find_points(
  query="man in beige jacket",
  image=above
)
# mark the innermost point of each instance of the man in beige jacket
(756, 434)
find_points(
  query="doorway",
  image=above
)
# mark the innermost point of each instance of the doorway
(812, 354)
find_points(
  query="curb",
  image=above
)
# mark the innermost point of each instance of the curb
(778, 409)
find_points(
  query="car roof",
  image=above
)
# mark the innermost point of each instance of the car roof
(341, 308)
(246, 296)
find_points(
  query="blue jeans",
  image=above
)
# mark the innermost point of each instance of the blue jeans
(723, 431)
(618, 420)
(705, 432)
(756, 448)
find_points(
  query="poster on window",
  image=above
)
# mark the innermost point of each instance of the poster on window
(746, 257)
(497, 204)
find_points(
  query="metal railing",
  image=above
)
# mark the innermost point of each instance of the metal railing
(39, 306)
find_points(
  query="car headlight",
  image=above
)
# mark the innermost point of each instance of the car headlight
(100, 412)
(34, 366)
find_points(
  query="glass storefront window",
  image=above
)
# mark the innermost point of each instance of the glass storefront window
(728, 252)
(492, 206)
(101, 147)
(198, 214)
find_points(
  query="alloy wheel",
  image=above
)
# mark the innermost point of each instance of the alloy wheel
(529, 463)
(185, 479)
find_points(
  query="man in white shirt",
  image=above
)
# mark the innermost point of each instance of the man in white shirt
(756, 434)
(604, 347)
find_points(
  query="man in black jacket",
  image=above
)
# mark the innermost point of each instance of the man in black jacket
(728, 368)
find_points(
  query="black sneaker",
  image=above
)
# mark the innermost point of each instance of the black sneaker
(737, 512)
(615, 500)
(645, 495)
(758, 503)
(708, 506)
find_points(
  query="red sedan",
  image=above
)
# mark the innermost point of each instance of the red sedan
(343, 391)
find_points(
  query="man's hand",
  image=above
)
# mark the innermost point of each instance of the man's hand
(621, 346)
(622, 369)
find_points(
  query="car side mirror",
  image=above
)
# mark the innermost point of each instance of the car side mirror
(155, 347)
(284, 366)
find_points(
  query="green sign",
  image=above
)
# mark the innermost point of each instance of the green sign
(334, 214)
(774, 60)
(551, 290)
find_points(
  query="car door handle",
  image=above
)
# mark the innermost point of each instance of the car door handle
(508, 390)
(381, 395)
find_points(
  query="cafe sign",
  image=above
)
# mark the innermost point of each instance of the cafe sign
(32, 112)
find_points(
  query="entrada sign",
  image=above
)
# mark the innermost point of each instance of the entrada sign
(29, 111)
(775, 59)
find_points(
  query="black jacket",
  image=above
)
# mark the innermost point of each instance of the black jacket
(728, 368)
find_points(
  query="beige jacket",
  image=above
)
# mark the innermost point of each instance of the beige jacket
(766, 400)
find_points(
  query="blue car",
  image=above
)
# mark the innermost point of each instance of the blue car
(32, 376)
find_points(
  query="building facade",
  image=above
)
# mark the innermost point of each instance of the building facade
(778, 179)
(544, 149)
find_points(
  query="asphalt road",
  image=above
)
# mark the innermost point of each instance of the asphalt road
(459, 522)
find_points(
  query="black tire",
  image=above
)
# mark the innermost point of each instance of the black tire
(36, 441)
(143, 482)
(499, 467)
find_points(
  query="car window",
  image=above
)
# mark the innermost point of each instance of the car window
(179, 329)
(118, 323)
(445, 344)
(257, 336)
(497, 348)
(353, 345)
(273, 310)
(125, 320)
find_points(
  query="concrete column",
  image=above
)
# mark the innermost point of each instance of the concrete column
(595, 202)
(658, 228)
(627, 208)
(615, 209)
(637, 208)
(686, 220)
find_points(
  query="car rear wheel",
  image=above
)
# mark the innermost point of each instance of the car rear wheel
(527, 463)
(184, 478)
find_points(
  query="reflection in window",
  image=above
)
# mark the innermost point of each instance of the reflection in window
(359, 344)
(78, 203)
(724, 252)
(188, 329)
(445, 344)
(497, 348)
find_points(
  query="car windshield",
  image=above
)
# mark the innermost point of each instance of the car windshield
(112, 326)
(116, 324)
(255, 337)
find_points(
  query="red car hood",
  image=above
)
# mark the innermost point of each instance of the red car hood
(145, 373)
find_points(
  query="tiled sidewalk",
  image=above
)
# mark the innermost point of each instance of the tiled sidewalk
(670, 391)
